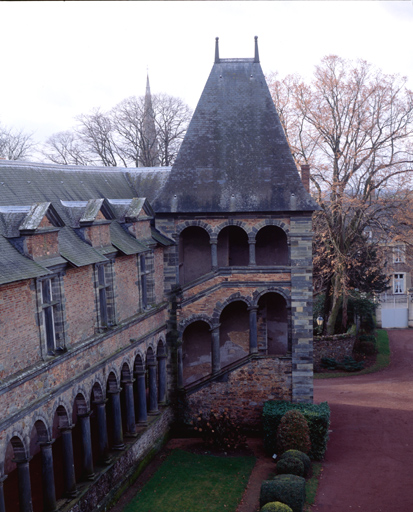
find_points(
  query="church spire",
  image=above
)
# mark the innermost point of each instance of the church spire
(149, 154)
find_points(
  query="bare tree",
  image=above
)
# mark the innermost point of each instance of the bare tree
(121, 137)
(66, 148)
(354, 126)
(172, 117)
(16, 144)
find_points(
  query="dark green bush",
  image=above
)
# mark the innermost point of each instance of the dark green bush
(318, 419)
(289, 489)
(367, 347)
(348, 364)
(368, 337)
(276, 506)
(305, 459)
(290, 466)
(218, 429)
(293, 432)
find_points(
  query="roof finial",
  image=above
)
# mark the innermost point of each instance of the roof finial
(216, 50)
(256, 56)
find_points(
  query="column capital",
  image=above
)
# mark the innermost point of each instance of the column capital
(47, 443)
(128, 381)
(65, 428)
(114, 391)
(252, 308)
(215, 327)
(101, 401)
(84, 414)
(22, 460)
(3, 478)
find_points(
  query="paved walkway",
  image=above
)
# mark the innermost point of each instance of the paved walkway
(369, 461)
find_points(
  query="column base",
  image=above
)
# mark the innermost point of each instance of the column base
(142, 423)
(131, 434)
(118, 447)
(90, 477)
(154, 413)
(71, 495)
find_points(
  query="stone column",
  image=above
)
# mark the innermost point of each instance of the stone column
(23, 477)
(180, 377)
(153, 388)
(253, 329)
(68, 462)
(162, 378)
(102, 431)
(130, 408)
(141, 394)
(216, 354)
(87, 461)
(114, 396)
(214, 253)
(251, 243)
(2, 505)
(49, 492)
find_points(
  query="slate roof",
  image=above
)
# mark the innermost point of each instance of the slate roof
(235, 156)
(14, 266)
(73, 196)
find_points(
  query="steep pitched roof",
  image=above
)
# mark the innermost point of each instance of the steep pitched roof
(235, 156)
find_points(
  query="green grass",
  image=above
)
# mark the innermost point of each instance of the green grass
(188, 482)
(312, 484)
(382, 359)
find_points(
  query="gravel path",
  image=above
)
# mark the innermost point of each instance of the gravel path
(369, 461)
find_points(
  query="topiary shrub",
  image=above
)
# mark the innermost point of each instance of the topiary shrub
(305, 459)
(289, 489)
(317, 416)
(293, 433)
(290, 466)
(276, 506)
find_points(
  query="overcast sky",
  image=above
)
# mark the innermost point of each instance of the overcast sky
(61, 59)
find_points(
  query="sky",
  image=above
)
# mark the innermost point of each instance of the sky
(62, 59)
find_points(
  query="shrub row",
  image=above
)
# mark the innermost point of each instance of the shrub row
(318, 419)
(287, 489)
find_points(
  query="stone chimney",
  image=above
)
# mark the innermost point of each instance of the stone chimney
(305, 176)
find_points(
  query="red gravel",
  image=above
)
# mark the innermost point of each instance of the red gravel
(369, 465)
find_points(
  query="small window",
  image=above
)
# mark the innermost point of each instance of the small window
(52, 314)
(144, 283)
(398, 254)
(398, 283)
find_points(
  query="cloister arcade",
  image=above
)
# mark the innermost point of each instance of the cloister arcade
(243, 326)
(78, 439)
(203, 249)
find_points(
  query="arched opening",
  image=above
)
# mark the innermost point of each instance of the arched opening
(98, 426)
(233, 249)
(194, 254)
(234, 332)
(162, 384)
(272, 321)
(196, 351)
(271, 247)
(152, 382)
(114, 413)
(17, 491)
(60, 424)
(139, 372)
(82, 442)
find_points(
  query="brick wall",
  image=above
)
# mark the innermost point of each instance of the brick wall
(19, 334)
(159, 281)
(126, 287)
(42, 245)
(80, 304)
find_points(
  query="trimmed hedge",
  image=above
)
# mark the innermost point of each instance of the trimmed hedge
(290, 466)
(288, 489)
(276, 506)
(317, 416)
(296, 454)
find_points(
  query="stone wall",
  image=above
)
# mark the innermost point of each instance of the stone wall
(336, 347)
(244, 390)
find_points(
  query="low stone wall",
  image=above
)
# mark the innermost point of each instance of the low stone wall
(338, 347)
(126, 467)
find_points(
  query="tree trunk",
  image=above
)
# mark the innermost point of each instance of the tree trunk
(337, 298)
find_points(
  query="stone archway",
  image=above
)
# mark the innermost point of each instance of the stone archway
(196, 351)
(272, 324)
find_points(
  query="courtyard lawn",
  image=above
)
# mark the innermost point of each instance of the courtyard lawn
(188, 482)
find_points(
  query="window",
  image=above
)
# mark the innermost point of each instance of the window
(398, 254)
(106, 299)
(52, 314)
(144, 281)
(398, 283)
